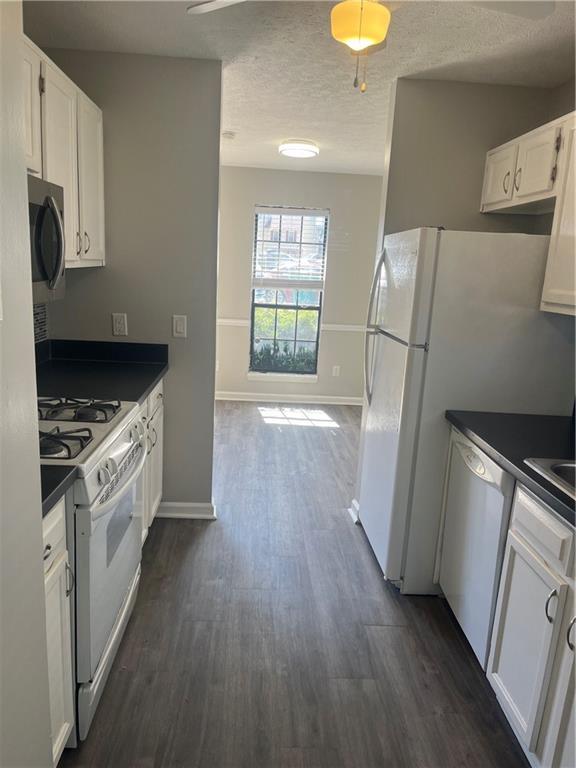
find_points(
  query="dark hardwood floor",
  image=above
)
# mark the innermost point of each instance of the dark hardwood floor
(268, 638)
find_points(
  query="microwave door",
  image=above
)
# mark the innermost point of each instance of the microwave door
(57, 272)
(47, 242)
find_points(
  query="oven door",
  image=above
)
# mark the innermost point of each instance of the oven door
(108, 551)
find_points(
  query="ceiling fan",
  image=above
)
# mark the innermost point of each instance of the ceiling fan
(536, 9)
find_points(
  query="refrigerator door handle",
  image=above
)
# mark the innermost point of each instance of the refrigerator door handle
(373, 289)
(367, 377)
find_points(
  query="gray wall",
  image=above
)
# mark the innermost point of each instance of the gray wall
(161, 157)
(441, 133)
(24, 709)
(353, 202)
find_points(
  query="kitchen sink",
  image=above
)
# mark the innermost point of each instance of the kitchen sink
(559, 472)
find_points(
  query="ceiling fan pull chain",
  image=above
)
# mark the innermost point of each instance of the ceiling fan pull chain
(357, 68)
(364, 85)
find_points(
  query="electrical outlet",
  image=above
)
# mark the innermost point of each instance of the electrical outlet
(179, 326)
(119, 324)
(335, 370)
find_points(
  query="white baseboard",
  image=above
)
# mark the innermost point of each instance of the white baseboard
(268, 397)
(187, 510)
(354, 511)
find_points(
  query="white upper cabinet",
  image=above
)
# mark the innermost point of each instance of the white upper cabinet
(59, 149)
(91, 180)
(64, 144)
(523, 175)
(526, 627)
(559, 292)
(32, 127)
(536, 165)
(499, 175)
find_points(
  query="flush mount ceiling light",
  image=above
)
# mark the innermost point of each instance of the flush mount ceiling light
(299, 148)
(361, 25)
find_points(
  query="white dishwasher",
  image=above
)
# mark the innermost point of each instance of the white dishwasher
(477, 502)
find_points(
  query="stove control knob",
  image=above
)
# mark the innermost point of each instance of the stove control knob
(112, 466)
(104, 475)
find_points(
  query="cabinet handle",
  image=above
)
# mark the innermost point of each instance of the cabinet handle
(70, 573)
(517, 175)
(552, 594)
(78, 243)
(150, 445)
(47, 550)
(87, 237)
(506, 186)
(570, 643)
(155, 438)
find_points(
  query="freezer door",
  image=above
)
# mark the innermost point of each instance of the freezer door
(390, 431)
(406, 284)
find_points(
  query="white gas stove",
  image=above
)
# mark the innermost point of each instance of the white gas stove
(94, 435)
(106, 441)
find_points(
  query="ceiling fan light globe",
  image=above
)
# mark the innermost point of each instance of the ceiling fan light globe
(359, 23)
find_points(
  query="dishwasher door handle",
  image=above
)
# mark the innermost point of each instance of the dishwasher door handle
(484, 468)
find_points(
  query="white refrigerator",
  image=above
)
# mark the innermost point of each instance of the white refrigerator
(453, 323)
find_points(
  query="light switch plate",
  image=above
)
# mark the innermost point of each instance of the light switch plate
(179, 326)
(119, 324)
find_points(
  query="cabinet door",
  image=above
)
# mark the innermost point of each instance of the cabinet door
(32, 127)
(157, 436)
(91, 179)
(528, 616)
(558, 733)
(58, 636)
(537, 154)
(559, 283)
(59, 149)
(499, 175)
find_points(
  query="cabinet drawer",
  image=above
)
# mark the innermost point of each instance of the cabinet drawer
(552, 540)
(155, 399)
(54, 534)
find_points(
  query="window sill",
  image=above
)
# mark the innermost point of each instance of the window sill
(300, 378)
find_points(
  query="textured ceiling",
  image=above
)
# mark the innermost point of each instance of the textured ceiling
(284, 77)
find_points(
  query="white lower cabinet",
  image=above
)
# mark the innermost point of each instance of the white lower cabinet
(58, 585)
(154, 464)
(531, 664)
(556, 745)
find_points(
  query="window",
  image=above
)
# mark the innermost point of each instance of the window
(288, 267)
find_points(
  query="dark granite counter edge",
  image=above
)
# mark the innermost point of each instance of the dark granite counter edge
(101, 351)
(57, 489)
(157, 379)
(538, 488)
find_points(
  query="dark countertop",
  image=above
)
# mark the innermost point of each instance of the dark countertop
(509, 438)
(102, 370)
(55, 482)
(98, 379)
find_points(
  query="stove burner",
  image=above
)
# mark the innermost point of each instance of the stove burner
(64, 444)
(72, 409)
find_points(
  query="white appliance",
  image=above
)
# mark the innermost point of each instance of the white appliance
(453, 323)
(106, 441)
(475, 518)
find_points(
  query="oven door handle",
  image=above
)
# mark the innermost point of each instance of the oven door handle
(102, 509)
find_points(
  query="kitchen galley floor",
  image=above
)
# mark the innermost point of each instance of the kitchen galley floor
(269, 639)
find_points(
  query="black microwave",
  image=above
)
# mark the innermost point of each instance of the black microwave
(47, 241)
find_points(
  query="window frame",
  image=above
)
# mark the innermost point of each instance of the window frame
(278, 284)
(293, 307)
